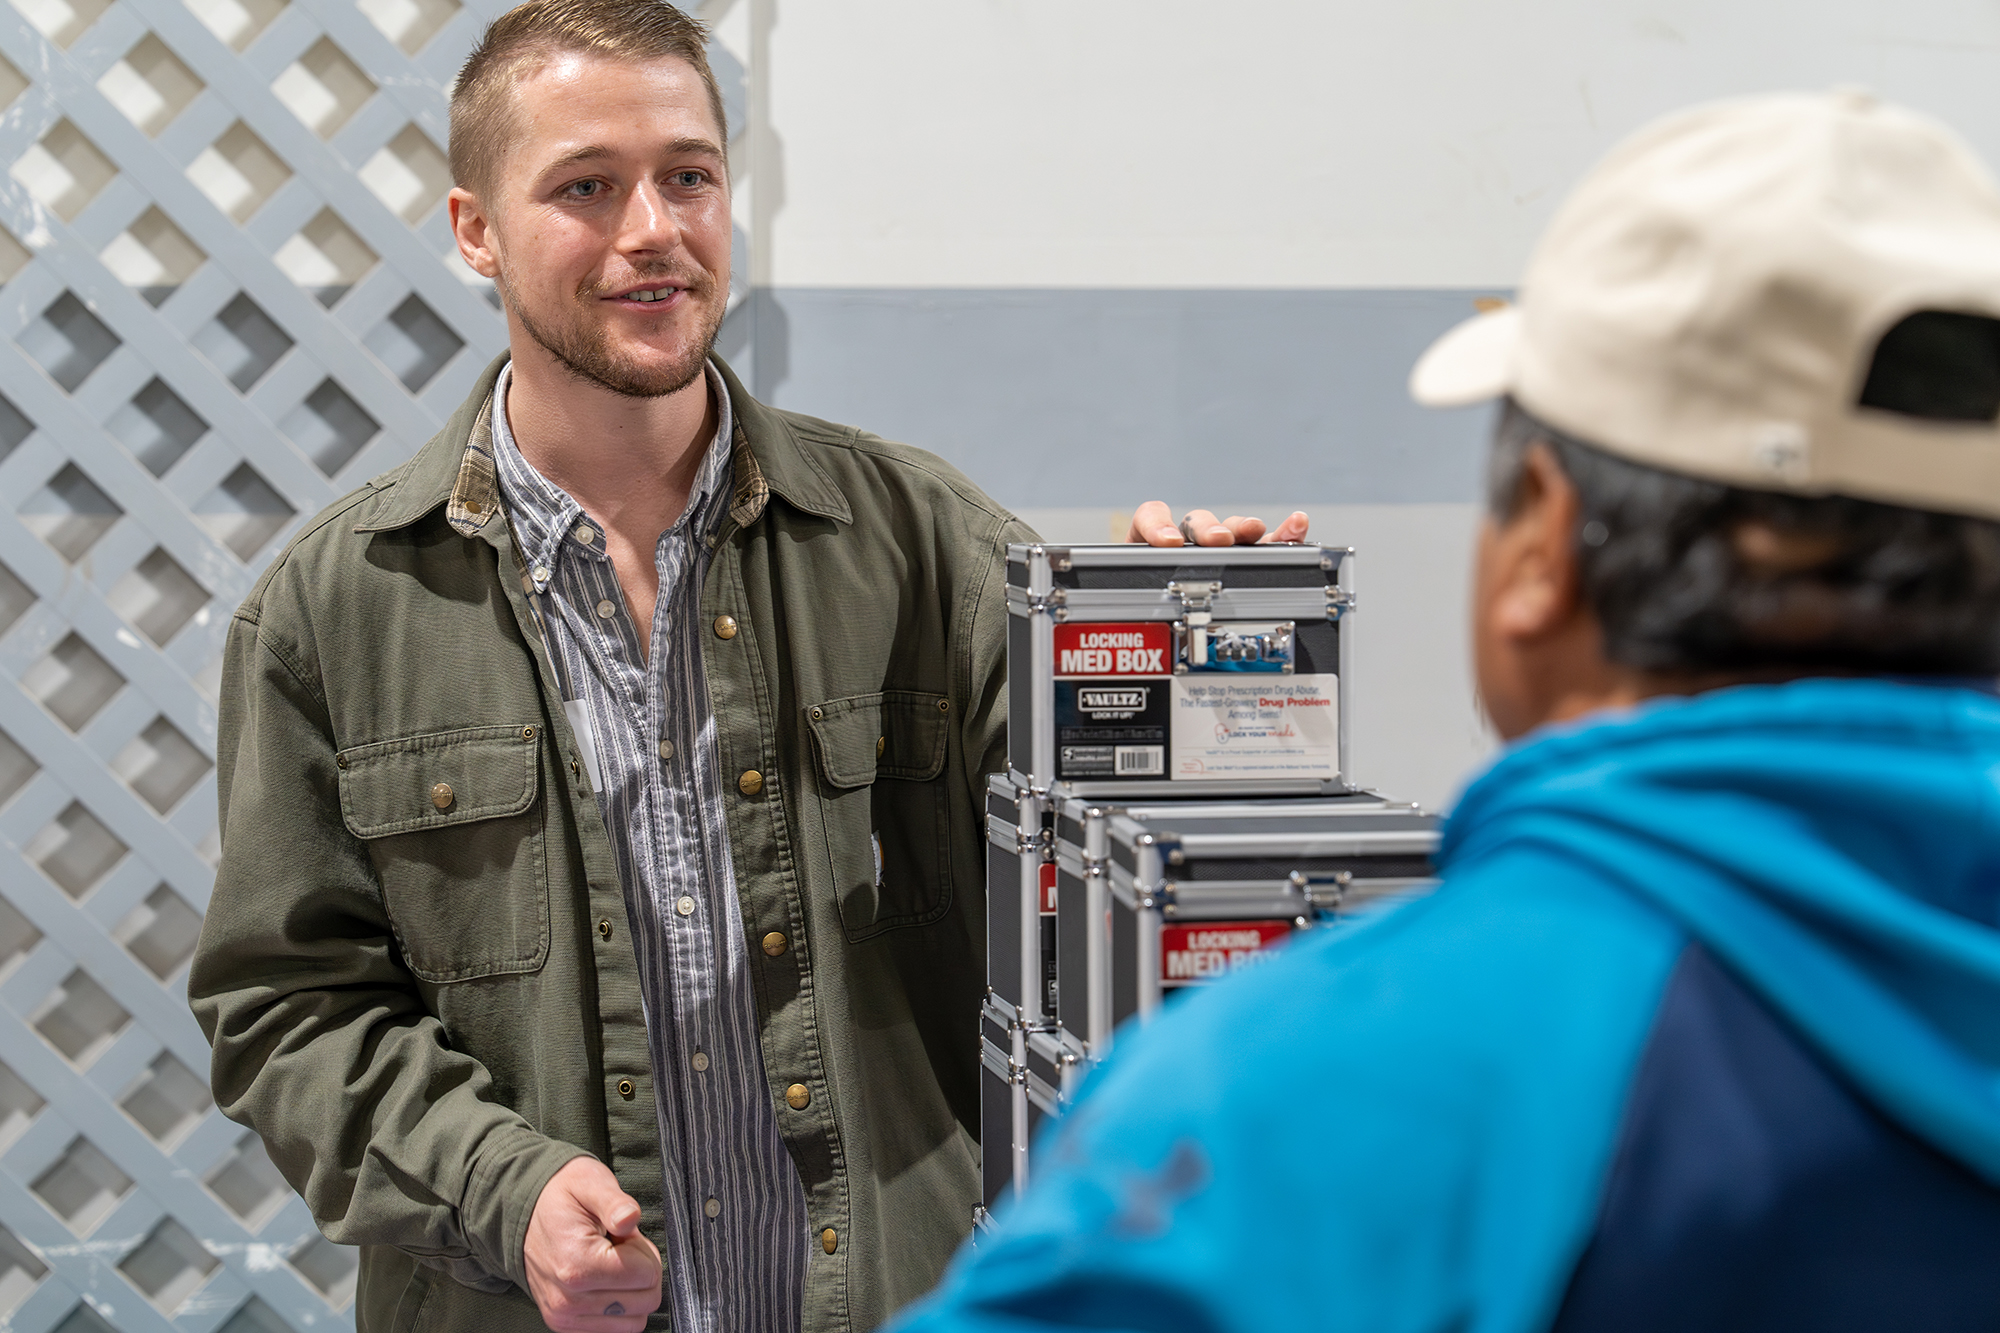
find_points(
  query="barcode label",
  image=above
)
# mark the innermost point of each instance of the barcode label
(1140, 761)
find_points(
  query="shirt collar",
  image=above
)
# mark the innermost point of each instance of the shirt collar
(544, 514)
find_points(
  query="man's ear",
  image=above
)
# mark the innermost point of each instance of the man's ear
(473, 230)
(1535, 592)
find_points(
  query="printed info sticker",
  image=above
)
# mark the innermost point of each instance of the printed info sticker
(1226, 726)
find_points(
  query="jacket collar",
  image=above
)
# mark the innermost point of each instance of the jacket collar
(455, 468)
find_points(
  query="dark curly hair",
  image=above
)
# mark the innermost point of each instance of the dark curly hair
(1693, 575)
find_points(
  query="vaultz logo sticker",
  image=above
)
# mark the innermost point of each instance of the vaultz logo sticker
(1142, 649)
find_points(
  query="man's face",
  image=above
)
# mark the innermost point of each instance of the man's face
(608, 225)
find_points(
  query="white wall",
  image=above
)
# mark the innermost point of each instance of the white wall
(1286, 143)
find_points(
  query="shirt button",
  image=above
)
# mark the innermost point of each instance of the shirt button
(798, 1096)
(829, 1240)
(586, 535)
(441, 795)
(685, 906)
(666, 749)
(540, 573)
(725, 627)
(700, 1062)
(775, 943)
(751, 782)
(713, 1208)
(607, 608)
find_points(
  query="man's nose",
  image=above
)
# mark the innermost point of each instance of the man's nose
(648, 224)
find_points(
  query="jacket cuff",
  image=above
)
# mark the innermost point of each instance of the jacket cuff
(500, 1201)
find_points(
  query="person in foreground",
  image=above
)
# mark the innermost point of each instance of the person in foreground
(599, 919)
(1702, 1029)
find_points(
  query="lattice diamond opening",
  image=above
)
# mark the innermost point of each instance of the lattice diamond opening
(68, 341)
(157, 597)
(75, 850)
(414, 343)
(161, 764)
(330, 427)
(17, 936)
(152, 256)
(167, 1100)
(247, 1183)
(19, 1105)
(79, 1018)
(13, 256)
(255, 1317)
(325, 257)
(242, 342)
(168, 1265)
(160, 932)
(73, 682)
(150, 85)
(20, 1272)
(330, 1268)
(62, 21)
(83, 1319)
(323, 88)
(14, 428)
(12, 82)
(17, 767)
(409, 23)
(70, 513)
(157, 426)
(83, 1186)
(15, 599)
(410, 174)
(238, 172)
(237, 22)
(65, 171)
(244, 512)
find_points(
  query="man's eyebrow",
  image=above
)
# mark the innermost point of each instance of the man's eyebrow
(597, 152)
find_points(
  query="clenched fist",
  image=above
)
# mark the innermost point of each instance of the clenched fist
(589, 1268)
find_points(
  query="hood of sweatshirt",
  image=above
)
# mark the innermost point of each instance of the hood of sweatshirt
(1836, 842)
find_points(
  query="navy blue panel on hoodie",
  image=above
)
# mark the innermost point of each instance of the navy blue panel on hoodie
(1754, 1191)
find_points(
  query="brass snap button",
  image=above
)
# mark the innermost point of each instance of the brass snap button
(944, 705)
(625, 1089)
(817, 714)
(441, 795)
(881, 744)
(751, 782)
(340, 761)
(527, 733)
(798, 1096)
(775, 943)
(604, 927)
(829, 1240)
(725, 627)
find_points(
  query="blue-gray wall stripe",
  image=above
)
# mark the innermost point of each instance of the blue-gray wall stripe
(1087, 397)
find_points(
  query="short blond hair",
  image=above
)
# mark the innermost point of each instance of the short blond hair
(483, 120)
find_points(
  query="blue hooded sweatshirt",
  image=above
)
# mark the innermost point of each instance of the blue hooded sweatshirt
(1702, 1031)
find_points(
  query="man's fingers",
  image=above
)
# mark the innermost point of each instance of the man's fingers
(1245, 531)
(604, 1199)
(1293, 529)
(1153, 523)
(1208, 529)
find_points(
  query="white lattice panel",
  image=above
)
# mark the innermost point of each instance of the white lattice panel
(229, 296)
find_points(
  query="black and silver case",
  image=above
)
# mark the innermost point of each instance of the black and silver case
(1179, 672)
(1153, 897)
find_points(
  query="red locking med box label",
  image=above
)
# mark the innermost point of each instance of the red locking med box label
(1112, 706)
(1207, 950)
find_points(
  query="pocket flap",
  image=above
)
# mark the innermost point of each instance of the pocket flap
(894, 734)
(447, 777)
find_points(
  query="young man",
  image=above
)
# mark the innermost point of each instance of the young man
(1702, 1030)
(602, 790)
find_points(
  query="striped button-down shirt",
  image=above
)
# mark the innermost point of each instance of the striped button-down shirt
(736, 1223)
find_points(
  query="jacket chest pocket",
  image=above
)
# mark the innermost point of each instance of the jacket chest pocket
(458, 838)
(886, 807)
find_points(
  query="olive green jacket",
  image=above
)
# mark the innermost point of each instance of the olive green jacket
(426, 1000)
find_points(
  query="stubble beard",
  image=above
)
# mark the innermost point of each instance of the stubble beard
(581, 348)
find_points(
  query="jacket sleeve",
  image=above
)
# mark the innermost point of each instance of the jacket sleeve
(322, 1042)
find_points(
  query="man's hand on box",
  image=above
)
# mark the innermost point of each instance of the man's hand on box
(1153, 523)
(590, 1269)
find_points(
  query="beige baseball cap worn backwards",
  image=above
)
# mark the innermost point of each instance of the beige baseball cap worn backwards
(1794, 292)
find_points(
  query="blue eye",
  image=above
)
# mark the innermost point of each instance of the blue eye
(586, 189)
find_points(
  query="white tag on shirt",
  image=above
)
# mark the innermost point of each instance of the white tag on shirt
(586, 740)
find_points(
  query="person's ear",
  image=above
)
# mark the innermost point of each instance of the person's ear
(1535, 591)
(473, 230)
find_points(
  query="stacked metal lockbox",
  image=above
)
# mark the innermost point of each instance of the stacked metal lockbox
(1178, 801)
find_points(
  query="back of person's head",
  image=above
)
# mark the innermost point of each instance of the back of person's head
(1762, 341)
(519, 41)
